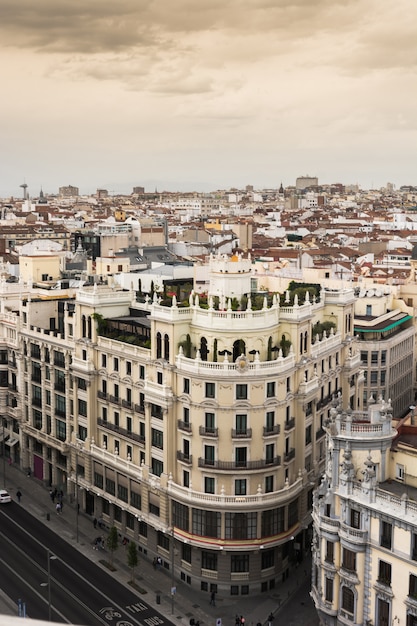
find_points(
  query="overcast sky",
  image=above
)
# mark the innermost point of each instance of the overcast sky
(201, 95)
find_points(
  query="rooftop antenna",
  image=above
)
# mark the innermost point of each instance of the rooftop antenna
(24, 187)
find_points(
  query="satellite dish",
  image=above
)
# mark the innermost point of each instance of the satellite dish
(371, 292)
(378, 293)
(362, 293)
(387, 291)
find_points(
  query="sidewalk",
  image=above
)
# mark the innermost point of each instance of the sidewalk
(188, 601)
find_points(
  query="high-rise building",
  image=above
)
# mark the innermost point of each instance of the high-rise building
(69, 191)
(302, 182)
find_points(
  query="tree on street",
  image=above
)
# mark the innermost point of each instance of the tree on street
(132, 558)
(112, 542)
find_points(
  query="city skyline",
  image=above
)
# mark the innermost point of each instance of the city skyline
(184, 96)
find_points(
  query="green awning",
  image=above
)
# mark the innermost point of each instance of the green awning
(383, 329)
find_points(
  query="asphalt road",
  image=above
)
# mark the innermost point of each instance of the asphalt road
(80, 591)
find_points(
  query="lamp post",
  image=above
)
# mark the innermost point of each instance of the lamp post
(3, 447)
(50, 557)
(173, 590)
(76, 495)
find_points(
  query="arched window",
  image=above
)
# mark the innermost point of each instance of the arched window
(89, 327)
(166, 347)
(301, 343)
(158, 346)
(239, 348)
(84, 326)
(305, 341)
(203, 349)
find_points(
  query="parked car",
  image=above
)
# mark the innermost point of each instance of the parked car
(4, 497)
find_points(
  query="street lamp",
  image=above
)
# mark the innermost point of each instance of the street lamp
(173, 589)
(50, 557)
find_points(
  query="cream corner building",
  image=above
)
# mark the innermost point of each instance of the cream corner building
(196, 427)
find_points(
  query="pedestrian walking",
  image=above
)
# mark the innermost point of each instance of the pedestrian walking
(213, 598)
(95, 522)
(18, 494)
(58, 508)
(158, 562)
(237, 620)
(52, 495)
(270, 619)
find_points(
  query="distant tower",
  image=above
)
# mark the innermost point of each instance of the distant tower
(25, 194)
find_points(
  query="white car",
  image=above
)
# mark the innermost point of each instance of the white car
(4, 497)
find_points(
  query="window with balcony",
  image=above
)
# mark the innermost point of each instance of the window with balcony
(241, 456)
(386, 535)
(270, 453)
(241, 424)
(209, 422)
(240, 487)
(270, 421)
(209, 455)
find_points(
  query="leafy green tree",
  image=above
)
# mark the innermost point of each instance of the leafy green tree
(132, 558)
(112, 542)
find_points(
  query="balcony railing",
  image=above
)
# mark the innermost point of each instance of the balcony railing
(239, 465)
(139, 408)
(185, 458)
(184, 426)
(241, 433)
(209, 431)
(272, 430)
(121, 431)
(289, 424)
(126, 404)
(289, 456)
(102, 395)
(115, 399)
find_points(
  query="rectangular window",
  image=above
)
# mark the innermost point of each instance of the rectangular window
(383, 357)
(329, 551)
(157, 438)
(270, 421)
(209, 484)
(209, 421)
(386, 535)
(349, 560)
(329, 590)
(122, 493)
(186, 387)
(136, 500)
(374, 357)
(210, 390)
(241, 457)
(270, 390)
(142, 372)
(308, 434)
(116, 364)
(186, 415)
(239, 563)
(209, 455)
(267, 559)
(206, 523)
(186, 552)
(241, 392)
(110, 486)
(355, 519)
(414, 546)
(82, 407)
(269, 453)
(240, 487)
(157, 467)
(374, 378)
(272, 522)
(412, 586)
(159, 378)
(209, 560)
(384, 573)
(103, 360)
(241, 424)
(269, 484)
(128, 368)
(399, 471)
(186, 478)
